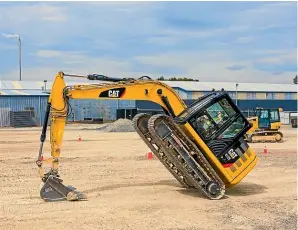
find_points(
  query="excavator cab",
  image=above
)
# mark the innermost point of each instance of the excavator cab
(265, 125)
(218, 128)
(268, 118)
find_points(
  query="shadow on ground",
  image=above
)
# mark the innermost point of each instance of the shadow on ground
(127, 185)
(242, 189)
(195, 193)
(246, 189)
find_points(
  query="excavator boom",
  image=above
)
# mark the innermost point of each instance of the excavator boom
(171, 137)
(58, 108)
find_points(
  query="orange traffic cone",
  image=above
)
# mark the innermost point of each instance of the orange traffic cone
(265, 150)
(149, 155)
(79, 138)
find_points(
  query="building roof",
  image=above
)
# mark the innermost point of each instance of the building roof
(230, 86)
(36, 87)
(20, 92)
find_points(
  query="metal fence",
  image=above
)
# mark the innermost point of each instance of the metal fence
(285, 117)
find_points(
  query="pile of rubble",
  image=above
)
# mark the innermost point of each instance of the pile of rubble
(121, 125)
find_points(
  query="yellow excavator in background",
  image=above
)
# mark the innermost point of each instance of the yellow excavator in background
(265, 126)
(202, 145)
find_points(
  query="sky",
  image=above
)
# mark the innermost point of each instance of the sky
(209, 41)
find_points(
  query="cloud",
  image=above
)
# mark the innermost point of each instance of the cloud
(236, 67)
(198, 39)
(48, 53)
(246, 39)
(279, 57)
(33, 12)
(213, 67)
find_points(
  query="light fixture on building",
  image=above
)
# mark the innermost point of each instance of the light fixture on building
(45, 85)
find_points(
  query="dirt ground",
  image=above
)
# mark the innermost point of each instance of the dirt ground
(128, 191)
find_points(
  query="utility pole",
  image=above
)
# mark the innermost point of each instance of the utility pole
(20, 51)
(20, 58)
(237, 93)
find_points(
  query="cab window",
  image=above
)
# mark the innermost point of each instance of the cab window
(264, 114)
(233, 130)
(204, 125)
(211, 121)
(274, 116)
(221, 111)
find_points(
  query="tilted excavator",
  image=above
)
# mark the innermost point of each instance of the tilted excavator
(265, 126)
(201, 145)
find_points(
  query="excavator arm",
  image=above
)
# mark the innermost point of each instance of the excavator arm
(58, 108)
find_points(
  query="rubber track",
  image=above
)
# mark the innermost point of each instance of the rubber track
(250, 140)
(201, 163)
(165, 159)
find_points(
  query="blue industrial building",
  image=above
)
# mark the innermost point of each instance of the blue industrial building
(29, 95)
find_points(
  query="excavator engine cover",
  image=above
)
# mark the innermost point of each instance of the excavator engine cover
(54, 190)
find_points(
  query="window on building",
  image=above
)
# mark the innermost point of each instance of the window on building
(232, 95)
(269, 96)
(289, 96)
(251, 95)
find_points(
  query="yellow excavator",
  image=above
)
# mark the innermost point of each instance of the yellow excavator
(265, 126)
(201, 145)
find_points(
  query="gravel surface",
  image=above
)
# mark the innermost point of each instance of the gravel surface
(125, 190)
(120, 125)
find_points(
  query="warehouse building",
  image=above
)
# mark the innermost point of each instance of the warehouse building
(32, 96)
(249, 95)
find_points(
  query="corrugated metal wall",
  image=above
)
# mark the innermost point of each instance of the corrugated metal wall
(105, 109)
(182, 93)
(18, 103)
(287, 105)
(81, 109)
(196, 95)
(4, 117)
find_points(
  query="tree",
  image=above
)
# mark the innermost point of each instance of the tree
(295, 80)
(176, 79)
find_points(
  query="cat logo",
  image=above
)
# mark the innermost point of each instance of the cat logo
(113, 93)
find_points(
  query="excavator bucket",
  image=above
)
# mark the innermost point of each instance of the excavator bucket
(54, 190)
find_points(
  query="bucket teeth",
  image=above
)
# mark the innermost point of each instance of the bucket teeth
(54, 190)
(75, 195)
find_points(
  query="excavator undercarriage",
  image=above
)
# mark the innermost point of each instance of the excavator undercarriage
(179, 154)
(265, 136)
